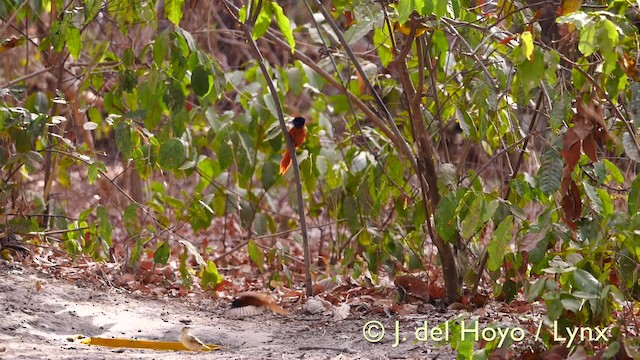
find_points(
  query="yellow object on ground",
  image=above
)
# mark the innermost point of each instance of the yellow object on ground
(136, 344)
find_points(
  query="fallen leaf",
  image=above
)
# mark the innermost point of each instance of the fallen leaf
(341, 312)
(413, 286)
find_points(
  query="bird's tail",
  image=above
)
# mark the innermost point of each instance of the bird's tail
(285, 163)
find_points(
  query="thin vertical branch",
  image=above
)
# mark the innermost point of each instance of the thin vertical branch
(248, 27)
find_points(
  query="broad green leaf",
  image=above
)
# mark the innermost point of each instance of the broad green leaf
(526, 41)
(201, 81)
(162, 254)
(191, 249)
(633, 203)
(499, 244)
(74, 43)
(611, 34)
(634, 102)
(630, 147)
(445, 218)
(185, 272)
(440, 7)
(550, 173)
(124, 139)
(269, 175)
(131, 218)
(607, 202)
(173, 10)
(587, 44)
(210, 275)
(586, 282)
(256, 255)
(593, 196)
(473, 220)
(104, 225)
(359, 30)
(263, 21)
(91, 9)
(536, 289)
(171, 154)
(405, 8)
(285, 26)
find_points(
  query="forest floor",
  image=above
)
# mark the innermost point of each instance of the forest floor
(39, 312)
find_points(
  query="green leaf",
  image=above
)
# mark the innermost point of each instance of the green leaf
(587, 44)
(550, 173)
(201, 81)
(440, 8)
(104, 225)
(535, 289)
(473, 220)
(630, 147)
(124, 141)
(191, 249)
(445, 218)
(586, 282)
(263, 21)
(173, 10)
(210, 275)
(171, 154)
(255, 254)
(593, 196)
(91, 9)
(285, 26)
(161, 256)
(269, 175)
(633, 203)
(405, 8)
(74, 43)
(499, 244)
(526, 41)
(610, 33)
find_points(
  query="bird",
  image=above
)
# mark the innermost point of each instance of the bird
(405, 28)
(298, 134)
(252, 303)
(190, 341)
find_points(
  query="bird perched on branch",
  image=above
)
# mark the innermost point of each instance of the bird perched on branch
(298, 133)
(253, 303)
(190, 341)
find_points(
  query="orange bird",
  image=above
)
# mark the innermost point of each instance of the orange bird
(298, 133)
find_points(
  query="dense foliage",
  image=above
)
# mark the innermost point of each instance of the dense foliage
(503, 136)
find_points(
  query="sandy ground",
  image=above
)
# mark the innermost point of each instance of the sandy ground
(38, 313)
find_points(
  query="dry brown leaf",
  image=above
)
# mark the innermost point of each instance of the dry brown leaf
(589, 147)
(413, 286)
(572, 205)
(570, 148)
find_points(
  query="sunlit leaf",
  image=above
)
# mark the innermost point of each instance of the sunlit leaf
(285, 26)
(526, 41)
(256, 255)
(173, 10)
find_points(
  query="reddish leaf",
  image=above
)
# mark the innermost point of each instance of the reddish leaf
(589, 147)
(413, 286)
(436, 292)
(570, 148)
(572, 205)
(507, 39)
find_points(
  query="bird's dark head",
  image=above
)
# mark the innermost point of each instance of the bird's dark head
(298, 122)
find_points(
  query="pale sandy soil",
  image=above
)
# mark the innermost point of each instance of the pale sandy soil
(35, 322)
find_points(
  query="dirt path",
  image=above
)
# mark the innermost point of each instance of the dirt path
(35, 324)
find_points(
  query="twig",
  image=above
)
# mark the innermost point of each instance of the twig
(248, 27)
(403, 145)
